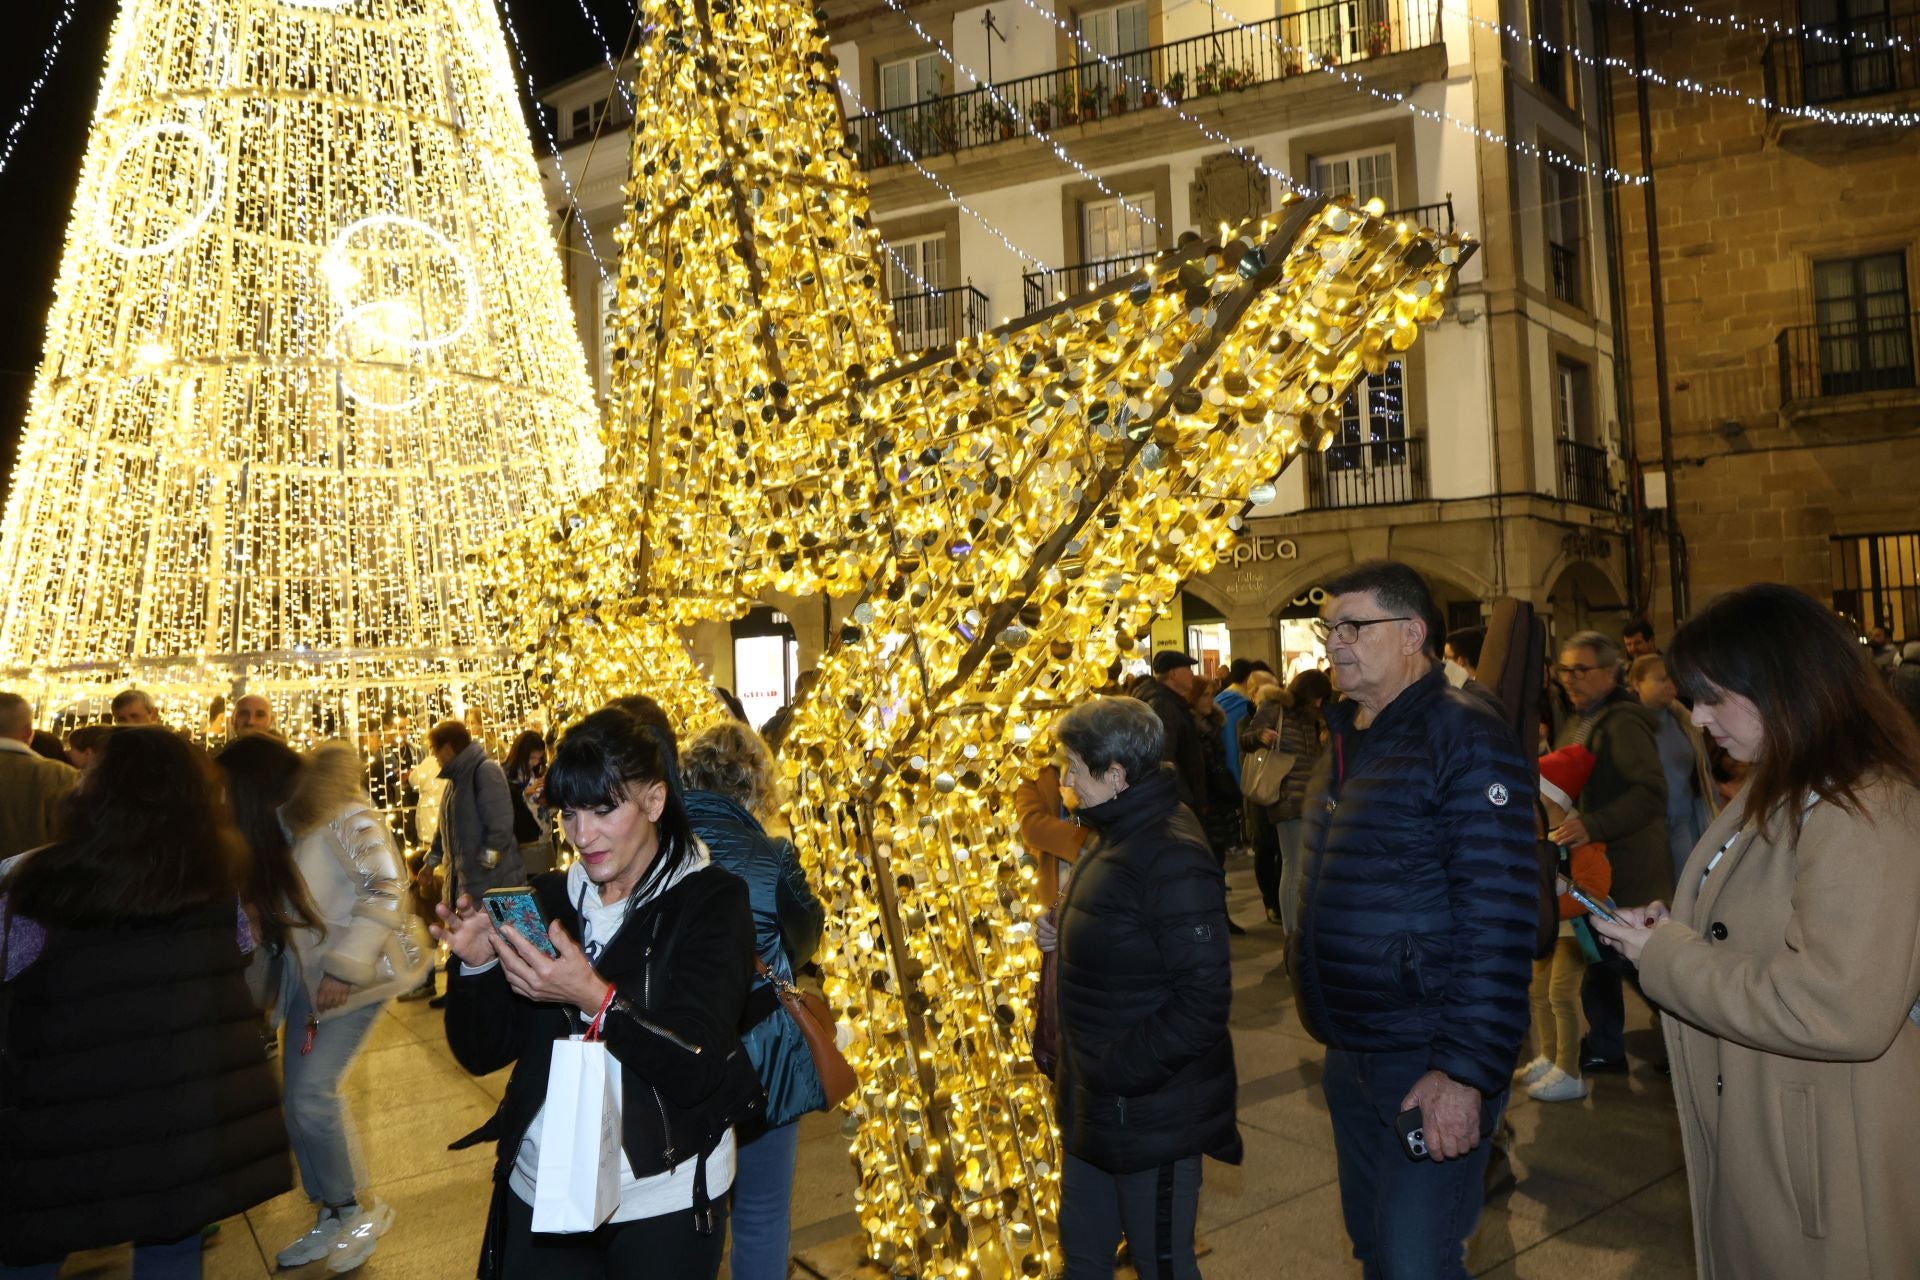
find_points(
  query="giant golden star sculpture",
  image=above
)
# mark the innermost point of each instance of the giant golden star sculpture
(1009, 515)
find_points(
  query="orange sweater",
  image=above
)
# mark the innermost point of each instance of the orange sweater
(1587, 867)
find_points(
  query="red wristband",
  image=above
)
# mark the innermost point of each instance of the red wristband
(600, 1015)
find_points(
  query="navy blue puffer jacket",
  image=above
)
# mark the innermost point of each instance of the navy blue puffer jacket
(1419, 902)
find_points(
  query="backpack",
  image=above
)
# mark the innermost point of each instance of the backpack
(1513, 666)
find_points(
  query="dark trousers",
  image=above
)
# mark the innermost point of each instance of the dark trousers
(1266, 857)
(663, 1246)
(1603, 999)
(1154, 1209)
(1408, 1219)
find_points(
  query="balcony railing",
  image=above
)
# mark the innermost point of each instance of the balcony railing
(1585, 477)
(923, 321)
(1821, 360)
(1043, 286)
(1871, 55)
(1221, 62)
(1375, 474)
(1564, 262)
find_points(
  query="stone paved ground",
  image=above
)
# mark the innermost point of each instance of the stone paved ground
(1601, 1193)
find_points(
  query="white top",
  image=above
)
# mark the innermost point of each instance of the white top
(656, 1194)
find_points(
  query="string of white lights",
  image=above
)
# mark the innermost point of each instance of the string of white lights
(1767, 26)
(1359, 84)
(606, 54)
(907, 153)
(1154, 92)
(553, 144)
(1900, 119)
(47, 58)
(1099, 184)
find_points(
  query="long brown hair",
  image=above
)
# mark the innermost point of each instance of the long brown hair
(261, 773)
(145, 837)
(1830, 726)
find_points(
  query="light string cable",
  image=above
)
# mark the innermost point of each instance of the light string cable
(47, 58)
(553, 145)
(1155, 93)
(1359, 84)
(606, 55)
(940, 47)
(1768, 26)
(1900, 119)
(946, 190)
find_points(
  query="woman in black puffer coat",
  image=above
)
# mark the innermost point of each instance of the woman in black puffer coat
(136, 1099)
(1146, 1079)
(1291, 720)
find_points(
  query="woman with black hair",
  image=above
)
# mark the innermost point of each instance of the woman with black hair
(1789, 966)
(136, 1100)
(526, 771)
(659, 944)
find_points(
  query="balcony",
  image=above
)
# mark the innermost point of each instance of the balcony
(939, 318)
(1224, 62)
(1042, 287)
(1820, 361)
(1874, 55)
(1585, 477)
(1377, 474)
(1563, 261)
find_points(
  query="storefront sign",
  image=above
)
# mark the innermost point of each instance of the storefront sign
(1262, 547)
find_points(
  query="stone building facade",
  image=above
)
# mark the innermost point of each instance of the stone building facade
(1789, 266)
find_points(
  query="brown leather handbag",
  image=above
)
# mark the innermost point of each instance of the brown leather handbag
(810, 1013)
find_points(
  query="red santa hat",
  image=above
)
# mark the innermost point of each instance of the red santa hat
(1563, 773)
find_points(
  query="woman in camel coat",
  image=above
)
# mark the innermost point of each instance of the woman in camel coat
(1789, 966)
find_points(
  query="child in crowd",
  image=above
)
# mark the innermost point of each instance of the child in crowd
(1554, 1076)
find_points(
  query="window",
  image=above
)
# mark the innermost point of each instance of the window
(1876, 582)
(1374, 412)
(912, 89)
(919, 316)
(1554, 69)
(1108, 230)
(911, 80)
(1372, 459)
(1563, 200)
(580, 123)
(1360, 174)
(1572, 401)
(1862, 324)
(1854, 59)
(1119, 33)
(1585, 472)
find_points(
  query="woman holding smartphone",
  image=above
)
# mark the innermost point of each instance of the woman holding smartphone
(657, 941)
(1789, 965)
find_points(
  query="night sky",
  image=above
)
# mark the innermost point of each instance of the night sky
(36, 189)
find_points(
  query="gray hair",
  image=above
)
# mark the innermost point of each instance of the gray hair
(1104, 732)
(16, 716)
(127, 697)
(729, 759)
(1606, 653)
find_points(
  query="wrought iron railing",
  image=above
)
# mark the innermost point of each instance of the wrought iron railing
(1820, 360)
(1869, 55)
(1585, 476)
(1044, 286)
(1376, 474)
(923, 321)
(1564, 264)
(1221, 62)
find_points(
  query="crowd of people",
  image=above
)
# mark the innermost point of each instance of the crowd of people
(1464, 890)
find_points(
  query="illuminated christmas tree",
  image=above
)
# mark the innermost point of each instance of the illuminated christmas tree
(310, 354)
(1008, 516)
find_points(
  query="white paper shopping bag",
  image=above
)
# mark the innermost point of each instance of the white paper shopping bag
(577, 1183)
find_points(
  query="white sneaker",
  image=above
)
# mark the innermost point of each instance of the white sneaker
(363, 1231)
(316, 1244)
(1533, 1070)
(1557, 1086)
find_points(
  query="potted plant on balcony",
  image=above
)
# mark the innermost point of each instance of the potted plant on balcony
(1066, 105)
(1207, 82)
(1379, 38)
(993, 120)
(1089, 103)
(1175, 88)
(1040, 115)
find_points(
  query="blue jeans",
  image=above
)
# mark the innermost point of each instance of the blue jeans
(177, 1261)
(1154, 1209)
(1408, 1219)
(763, 1204)
(318, 1126)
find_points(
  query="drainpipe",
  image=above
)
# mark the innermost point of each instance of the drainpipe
(1616, 289)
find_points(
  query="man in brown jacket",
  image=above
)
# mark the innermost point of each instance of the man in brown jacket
(31, 786)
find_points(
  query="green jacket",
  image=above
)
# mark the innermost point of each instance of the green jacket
(1625, 801)
(31, 788)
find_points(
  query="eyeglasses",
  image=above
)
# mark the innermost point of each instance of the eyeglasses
(1348, 632)
(1578, 669)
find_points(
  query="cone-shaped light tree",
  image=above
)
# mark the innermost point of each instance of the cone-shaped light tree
(310, 353)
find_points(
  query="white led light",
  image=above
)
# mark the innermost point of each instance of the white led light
(342, 273)
(136, 193)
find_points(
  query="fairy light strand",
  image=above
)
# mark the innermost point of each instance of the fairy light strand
(1766, 26)
(47, 58)
(553, 145)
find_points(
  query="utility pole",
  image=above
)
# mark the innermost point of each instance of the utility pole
(1676, 545)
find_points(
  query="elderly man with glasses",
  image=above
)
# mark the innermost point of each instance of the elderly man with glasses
(1418, 909)
(1623, 806)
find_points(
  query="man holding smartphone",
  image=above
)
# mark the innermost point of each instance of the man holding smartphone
(1419, 907)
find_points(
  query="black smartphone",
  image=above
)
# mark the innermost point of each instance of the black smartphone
(1593, 905)
(517, 909)
(1413, 1133)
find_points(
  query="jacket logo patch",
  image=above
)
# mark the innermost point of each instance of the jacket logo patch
(1497, 794)
(1203, 933)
